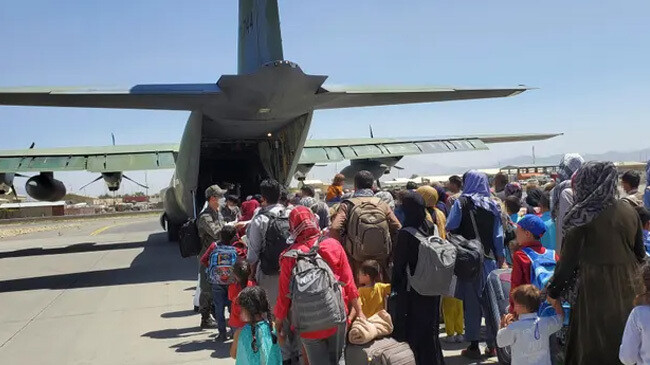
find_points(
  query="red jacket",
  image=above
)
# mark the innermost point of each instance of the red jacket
(333, 254)
(235, 310)
(521, 268)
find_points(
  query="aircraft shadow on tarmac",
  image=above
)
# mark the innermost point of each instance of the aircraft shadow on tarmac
(149, 266)
(76, 248)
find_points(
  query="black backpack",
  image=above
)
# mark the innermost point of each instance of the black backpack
(275, 242)
(469, 254)
(189, 241)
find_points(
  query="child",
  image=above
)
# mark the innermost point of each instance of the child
(256, 342)
(645, 222)
(548, 239)
(242, 272)
(528, 337)
(227, 235)
(513, 206)
(530, 229)
(372, 291)
(635, 346)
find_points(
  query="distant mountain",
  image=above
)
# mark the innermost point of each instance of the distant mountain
(614, 156)
(414, 166)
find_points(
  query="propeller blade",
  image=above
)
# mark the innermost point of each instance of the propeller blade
(135, 182)
(32, 145)
(97, 179)
(13, 190)
(113, 138)
(398, 167)
(372, 135)
(19, 175)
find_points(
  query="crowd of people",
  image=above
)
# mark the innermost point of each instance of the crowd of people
(298, 272)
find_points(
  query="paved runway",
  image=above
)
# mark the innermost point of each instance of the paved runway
(102, 291)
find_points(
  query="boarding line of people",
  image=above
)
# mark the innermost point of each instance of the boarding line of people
(597, 243)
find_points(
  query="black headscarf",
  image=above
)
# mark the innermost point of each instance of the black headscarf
(533, 197)
(415, 212)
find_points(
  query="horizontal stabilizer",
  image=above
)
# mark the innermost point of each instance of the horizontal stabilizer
(333, 97)
(162, 97)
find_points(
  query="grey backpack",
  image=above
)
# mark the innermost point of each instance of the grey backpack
(435, 267)
(316, 297)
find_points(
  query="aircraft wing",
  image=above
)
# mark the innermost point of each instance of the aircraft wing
(336, 150)
(93, 159)
(333, 97)
(155, 96)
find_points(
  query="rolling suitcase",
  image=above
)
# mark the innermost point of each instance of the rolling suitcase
(384, 351)
(498, 292)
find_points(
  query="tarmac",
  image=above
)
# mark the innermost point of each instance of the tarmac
(105, 291)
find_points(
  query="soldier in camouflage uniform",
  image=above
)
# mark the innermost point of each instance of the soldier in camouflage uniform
(209, 225)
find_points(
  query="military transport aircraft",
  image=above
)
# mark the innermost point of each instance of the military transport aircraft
(241, 129)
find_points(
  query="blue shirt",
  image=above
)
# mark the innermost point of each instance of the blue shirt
(528, 338)
(456, 216)
(514, 217)
(646, 198)
(646, 241)
(548, 239)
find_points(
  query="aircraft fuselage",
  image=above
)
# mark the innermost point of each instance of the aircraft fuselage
(256, 131)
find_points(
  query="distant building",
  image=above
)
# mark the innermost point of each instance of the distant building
(32, 209)
(135, 199)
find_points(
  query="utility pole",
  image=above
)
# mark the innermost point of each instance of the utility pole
(146, 183)
(533, 154)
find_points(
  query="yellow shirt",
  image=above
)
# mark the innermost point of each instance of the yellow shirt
(373, 299)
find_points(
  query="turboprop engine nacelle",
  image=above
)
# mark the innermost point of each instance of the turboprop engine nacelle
(45, 187)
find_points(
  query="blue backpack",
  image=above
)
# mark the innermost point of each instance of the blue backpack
(542, 268)
(222, 261)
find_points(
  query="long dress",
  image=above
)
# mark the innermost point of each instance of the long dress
(418, 323)
(607, 251)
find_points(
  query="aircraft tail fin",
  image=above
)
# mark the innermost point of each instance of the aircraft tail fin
(259, 40)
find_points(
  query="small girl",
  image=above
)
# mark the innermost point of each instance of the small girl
(255, 343)
(372, 291)
(635, 346)
(241, 272)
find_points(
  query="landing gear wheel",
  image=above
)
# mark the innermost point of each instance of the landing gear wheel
(172, 231)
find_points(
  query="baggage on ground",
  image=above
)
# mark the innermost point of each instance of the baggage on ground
(498, 292)
(384, 351)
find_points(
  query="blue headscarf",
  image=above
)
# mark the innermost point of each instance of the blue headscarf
(477, 188)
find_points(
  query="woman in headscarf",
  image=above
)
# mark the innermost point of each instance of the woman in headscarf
(434, 215)
(603, 246)
(562, 194)
(513, 188)
(248, 209)
(416, 316)
(319, 208)
(476, 199)
(323, 347)
(452, 308)
(387, 198)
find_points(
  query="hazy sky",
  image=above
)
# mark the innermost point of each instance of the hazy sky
(589, 60)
